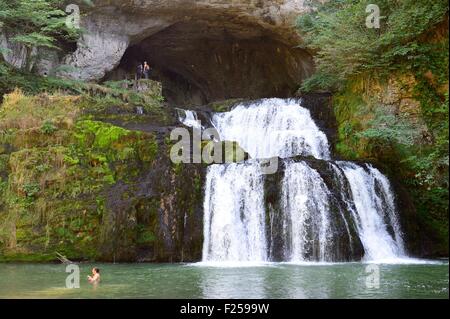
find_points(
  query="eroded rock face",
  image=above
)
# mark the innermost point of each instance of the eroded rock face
(97, 56)
(13, 53)
(398, 97)
(42, 60)
(201, 50)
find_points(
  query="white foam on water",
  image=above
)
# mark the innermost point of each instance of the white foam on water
(233, 264)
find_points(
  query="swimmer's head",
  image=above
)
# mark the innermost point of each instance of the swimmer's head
(95, 271)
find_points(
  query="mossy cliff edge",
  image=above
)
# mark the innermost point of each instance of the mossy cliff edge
(71, 182)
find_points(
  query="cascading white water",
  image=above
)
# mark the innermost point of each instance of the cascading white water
(234, 224)
(306, 222)
(189, 118)
(372, 209)
(273, 127)
(387, 197)
(235, 215)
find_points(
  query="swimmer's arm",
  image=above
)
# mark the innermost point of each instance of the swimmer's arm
(93, 278)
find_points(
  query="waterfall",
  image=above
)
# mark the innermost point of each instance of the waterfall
(375, 210)
(321, 210)
(139, 110)
(273, 127)
(234, 224)
(305, 210)
(189, 118)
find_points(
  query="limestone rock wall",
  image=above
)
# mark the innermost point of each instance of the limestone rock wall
(201, 50)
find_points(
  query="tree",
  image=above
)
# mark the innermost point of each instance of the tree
(336, 32)
(36, 24)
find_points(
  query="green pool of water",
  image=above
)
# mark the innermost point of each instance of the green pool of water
(202, 281)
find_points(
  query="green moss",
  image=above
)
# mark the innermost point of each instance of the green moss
(98, 134)
(4, 163)
(53, 181)
(224, 106)
(231, 151)
(145, 235)
(147, 149)
(177, 168)
(348, 105)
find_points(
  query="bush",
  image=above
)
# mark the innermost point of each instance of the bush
(344, 47)
(362, 65)
(31, 190)
(48, 128)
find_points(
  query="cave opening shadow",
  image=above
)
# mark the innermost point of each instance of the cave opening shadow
(197, 65)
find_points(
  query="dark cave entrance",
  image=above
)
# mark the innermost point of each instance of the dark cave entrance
(199, 63)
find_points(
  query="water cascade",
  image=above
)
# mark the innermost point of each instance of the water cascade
(273, 127)
(236, 225)
(311, 209)
(375, 216)
(188, 118)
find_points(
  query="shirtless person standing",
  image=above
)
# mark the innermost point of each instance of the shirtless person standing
(95, 278)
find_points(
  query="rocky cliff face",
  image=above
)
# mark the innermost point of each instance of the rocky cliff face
(72, 182)
(202, 51)
(112, 26)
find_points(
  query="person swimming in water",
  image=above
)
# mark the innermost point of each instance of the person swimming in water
(95, 278)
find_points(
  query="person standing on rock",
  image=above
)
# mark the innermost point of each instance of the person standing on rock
(146, 70)
(139, 72)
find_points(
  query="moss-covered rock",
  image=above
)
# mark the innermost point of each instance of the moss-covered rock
(223, 106)
(91, 190)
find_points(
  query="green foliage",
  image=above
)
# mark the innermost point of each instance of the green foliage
(145, 235)
(53, 182)
(31, 190)
(48, 128)
(35, 39)
(431, 163)
(345, 47)
(386, 127)
(37, 23)
(40, 17)
(359, 64)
